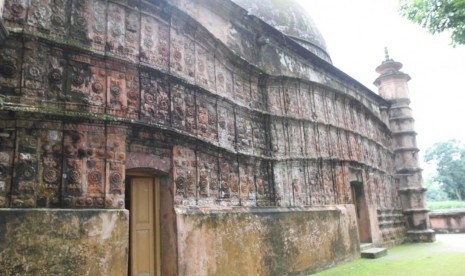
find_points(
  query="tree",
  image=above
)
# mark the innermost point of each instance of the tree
(437, 16)
(435, 191)
(449, 158)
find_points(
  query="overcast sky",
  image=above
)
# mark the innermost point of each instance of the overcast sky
(356, 33)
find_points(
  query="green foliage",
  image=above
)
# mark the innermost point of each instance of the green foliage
(449, 158)
(434, 191)
(448, 204)
(437, 16)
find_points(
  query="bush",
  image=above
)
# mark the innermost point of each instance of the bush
(449, 204)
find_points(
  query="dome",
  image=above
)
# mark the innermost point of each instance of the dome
(290, 18)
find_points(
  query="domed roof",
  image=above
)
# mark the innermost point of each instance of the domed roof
(290, 18)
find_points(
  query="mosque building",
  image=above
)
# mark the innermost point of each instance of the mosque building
(194, 137)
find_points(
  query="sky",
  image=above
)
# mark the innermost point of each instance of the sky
(356, 33)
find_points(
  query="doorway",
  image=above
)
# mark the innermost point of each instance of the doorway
(143, 202)
(361, 209)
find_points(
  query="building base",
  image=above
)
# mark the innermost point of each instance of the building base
(63, 242)
(421, 236)
(265, 241)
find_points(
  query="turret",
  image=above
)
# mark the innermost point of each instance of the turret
(393, 86)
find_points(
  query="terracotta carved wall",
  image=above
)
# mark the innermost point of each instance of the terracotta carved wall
(89, 82)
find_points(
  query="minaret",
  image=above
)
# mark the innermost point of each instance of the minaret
(392, 86)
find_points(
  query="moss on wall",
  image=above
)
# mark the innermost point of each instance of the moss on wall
(63, 242)
(271, 241)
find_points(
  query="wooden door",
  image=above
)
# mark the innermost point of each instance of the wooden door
(144, 231)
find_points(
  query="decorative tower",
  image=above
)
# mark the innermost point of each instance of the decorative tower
(392, 85)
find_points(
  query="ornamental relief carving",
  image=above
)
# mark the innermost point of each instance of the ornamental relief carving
(156, 104)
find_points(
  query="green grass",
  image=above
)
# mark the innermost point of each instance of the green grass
(449, 204)
(409, 260)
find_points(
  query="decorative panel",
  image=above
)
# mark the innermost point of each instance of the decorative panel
(43, 72)
(185, 175)
(24, 186)
(306, 101)
(122, 89)
(310, 140)
(278, 137)
(340, 112)
(183, 107)
(15, 11)
(182, 49)
(244, 131)
(319, 106)
(115, 169)
(259, 132)
(155, 106)
(207, 117)
(83, 165)
(247, 182)
(315, 183)
(78, 87)
(335, 151)
(344, 145)
(291, 98)
(11, 54)
(275, 100)
(355, 152)
(226, 125)
(257, 93)
(229, 180)
(281, 186)
(294, 133)
(224, 80)
(7, 147)
(81, 22)
(123, 26)
(154, 42)
(298, 185)
(205, 61)
(208, 186)
(264, 191)
(323, 141)
(50, 165)
(328, 183)
(241, 93)
(331, 116)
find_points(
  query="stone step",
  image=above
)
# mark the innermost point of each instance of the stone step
(374, 253)
(365, 245)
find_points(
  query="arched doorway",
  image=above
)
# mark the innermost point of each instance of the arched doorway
(143, 202)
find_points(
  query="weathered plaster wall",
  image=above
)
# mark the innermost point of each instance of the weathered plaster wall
(63, 242)
(271, 241)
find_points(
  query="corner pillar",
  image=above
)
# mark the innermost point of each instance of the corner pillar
(392, 85)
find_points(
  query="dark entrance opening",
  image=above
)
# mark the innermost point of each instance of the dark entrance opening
(361, 209)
